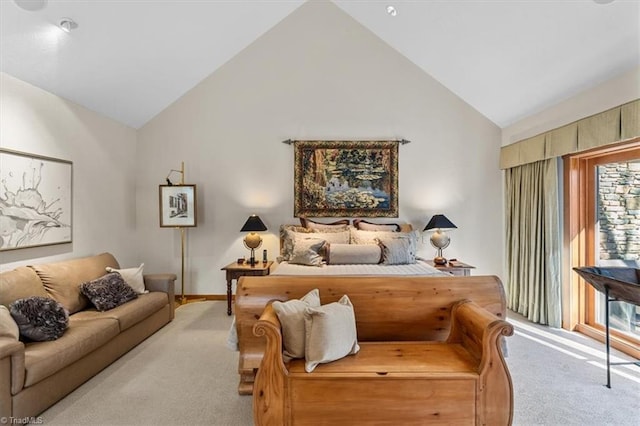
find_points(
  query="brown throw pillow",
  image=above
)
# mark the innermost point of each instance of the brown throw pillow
(363, 225)
(310, 224)
(39, 318)
(108, 291)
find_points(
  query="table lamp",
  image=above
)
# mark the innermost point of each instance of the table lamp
(439, 239)
(252, 241)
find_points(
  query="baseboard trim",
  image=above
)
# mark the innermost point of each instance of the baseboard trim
(201, 297)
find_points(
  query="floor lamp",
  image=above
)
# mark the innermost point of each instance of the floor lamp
(178, 210)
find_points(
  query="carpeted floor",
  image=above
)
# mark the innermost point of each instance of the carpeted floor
(185, 375)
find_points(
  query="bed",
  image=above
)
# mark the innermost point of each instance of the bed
(318, 249)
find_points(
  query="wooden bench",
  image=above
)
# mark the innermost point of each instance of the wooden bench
(413, 313)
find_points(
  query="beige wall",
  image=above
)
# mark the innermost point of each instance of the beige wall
(317, 75)
(103, 155)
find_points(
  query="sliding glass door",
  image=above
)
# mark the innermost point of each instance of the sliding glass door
(617, 233)
(602, 228)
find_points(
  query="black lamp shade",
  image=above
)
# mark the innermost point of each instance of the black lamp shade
(439, 221)
(253, 224)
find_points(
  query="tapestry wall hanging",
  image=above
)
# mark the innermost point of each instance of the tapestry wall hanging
(346, 178)
(35, 200)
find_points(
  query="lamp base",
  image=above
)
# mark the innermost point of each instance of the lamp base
(439, 260)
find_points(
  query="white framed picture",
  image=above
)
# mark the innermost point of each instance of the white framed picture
(35, 200)
(177, 206)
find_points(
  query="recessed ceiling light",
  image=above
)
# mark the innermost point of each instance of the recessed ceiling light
(392, 11)
(603, 1)
(68, 24)
(31, 5)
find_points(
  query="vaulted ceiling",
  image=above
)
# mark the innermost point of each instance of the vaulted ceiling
(131, 59)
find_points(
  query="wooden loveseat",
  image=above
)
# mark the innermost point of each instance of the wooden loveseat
(430, 353)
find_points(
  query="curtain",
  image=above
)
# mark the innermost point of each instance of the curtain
(533, 241)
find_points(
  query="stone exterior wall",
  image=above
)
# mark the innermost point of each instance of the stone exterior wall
(619, 211)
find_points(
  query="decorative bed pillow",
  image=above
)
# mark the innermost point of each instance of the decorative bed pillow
(371, 237)
(108, 291)
(339, 225)
(307, 252)
(397, 251)
(291, 317)
(286, 244)
(330, 333)
(363, 225)
(132, 276)
(8, 327)
(39, 318)
(353, 254)
(291, 237)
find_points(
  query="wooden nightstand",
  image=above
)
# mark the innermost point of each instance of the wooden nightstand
(454, 268)
(236, 270)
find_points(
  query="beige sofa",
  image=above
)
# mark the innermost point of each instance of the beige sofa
(35, 375)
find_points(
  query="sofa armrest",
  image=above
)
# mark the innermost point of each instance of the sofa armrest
(161, 282)
(11, 372)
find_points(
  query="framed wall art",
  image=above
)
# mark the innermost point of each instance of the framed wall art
(35, 200)
(346, 178)
(177, 206)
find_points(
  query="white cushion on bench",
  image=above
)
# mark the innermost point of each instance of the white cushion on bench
(291, 317)
(330, 333)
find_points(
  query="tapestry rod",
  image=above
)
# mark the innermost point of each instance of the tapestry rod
(291, 142)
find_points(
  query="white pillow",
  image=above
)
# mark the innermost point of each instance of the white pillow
(307, 252)
(291, 237)
(291, 317)
(397, 251)
(8, 327)
(132, 276)
(353, 254)
(369, 237)
(372, 237)
(330, 333)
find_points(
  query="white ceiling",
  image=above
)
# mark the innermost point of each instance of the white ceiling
(508, 59)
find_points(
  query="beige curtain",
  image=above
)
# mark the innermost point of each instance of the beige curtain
(533, 241)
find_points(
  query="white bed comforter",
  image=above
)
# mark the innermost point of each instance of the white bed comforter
(418, 268)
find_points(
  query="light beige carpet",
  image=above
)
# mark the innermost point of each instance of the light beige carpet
(182, 375)
(186, 375)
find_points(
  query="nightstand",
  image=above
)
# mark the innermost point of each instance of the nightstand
(454, 268)
(236, 270)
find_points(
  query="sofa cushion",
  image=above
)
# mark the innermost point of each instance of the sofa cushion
(62, 279)
(131, 312)
(8, 327)
(20, 283)
(108, 291)
(42, 359)
(39, 318)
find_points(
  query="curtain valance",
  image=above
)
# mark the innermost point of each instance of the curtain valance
(607, 127)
